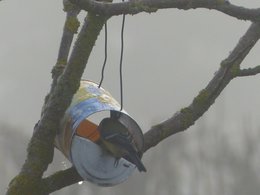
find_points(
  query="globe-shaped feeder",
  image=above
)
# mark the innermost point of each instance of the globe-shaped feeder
(78, 136)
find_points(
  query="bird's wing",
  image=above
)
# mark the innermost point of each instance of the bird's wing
(125, 143)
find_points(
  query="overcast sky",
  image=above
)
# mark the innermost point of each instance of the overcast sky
(169, 57)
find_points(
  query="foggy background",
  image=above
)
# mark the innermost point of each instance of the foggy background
(169, 57)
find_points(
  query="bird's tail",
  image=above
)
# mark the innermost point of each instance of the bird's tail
(135, 159)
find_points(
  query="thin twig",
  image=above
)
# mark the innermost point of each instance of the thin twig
(70, 28)
(249, 71)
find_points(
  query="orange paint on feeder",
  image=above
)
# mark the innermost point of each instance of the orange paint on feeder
(78, 137)
(88, 130)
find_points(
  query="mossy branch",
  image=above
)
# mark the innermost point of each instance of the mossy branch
(69, 30)
(186, 117)
(249, 71)
(68, 71)
(149, 6)
(59, 179)
(59, 99)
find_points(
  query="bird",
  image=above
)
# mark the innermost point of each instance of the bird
(116, 139)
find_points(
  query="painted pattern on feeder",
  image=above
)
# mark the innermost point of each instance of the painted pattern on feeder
(77, 136)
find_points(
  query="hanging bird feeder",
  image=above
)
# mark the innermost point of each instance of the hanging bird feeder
(78, 137)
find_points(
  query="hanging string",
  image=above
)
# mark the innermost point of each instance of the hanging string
(121, 61)
(105, 60)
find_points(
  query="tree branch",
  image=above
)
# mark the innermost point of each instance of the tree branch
(70, 28)
(59, 180)
(40, 148)
(186, 117)
(207, 96)
(249, 71)
(138, 6)
(66, 83)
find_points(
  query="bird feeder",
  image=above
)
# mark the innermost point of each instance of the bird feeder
(78, 136)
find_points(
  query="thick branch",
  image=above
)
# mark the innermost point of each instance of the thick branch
(57, 181)
(137, 6)
(40, 149)
(187, 116)
(249, 71)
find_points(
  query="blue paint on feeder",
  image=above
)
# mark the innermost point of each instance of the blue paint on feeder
(90, 160)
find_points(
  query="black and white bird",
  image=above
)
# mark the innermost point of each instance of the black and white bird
(116, 139)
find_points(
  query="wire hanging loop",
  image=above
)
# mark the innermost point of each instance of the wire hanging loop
(105, 60)
(121, 61)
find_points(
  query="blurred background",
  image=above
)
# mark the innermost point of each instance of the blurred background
(169, 57)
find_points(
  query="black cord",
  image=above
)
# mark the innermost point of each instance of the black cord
(105, 60)
(121, 62)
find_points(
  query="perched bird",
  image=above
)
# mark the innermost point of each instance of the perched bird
(116, 139)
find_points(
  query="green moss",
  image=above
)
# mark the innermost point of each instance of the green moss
(222, 65)
(235, 70)
(67, 6)
(58, 68)
(72, 24)
(220, 2)
(97, 23)
(84, 44)
(61, 62)
(187, 117)
(25, 184)
(201, 98)
(44, 152)
(140, 6)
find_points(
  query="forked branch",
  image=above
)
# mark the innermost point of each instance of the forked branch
(229, 69)
(187, 116)
(66, 81)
